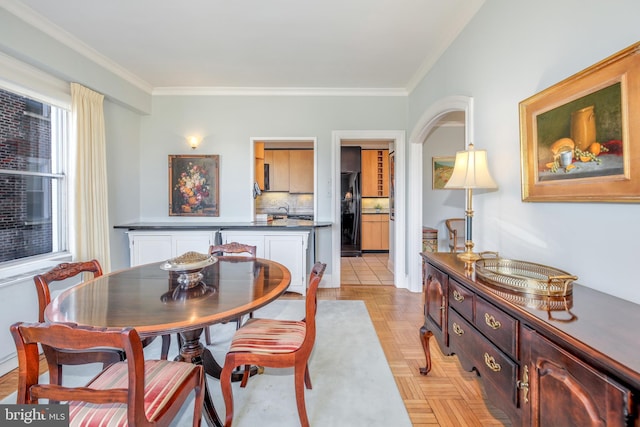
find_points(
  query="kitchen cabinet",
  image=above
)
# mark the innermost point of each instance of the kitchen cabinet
(542, 360)
(375, 232)
(290, 170)
(301, 171)
(288, 248)
(259, 164)
(375, 173)
(150, 246)
(278, 161)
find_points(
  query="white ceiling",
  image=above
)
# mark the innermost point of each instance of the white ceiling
(365, 45)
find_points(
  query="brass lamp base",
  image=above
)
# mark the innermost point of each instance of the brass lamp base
(469, 256)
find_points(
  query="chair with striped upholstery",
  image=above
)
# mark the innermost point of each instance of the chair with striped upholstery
(221, 250)
(277, 344)
(133, 392)
(56, 359)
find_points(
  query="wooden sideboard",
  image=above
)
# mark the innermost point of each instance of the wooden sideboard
(572, 361)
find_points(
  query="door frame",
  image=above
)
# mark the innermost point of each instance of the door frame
(397, 252)
(421, 130)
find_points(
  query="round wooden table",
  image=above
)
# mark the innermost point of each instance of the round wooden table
(151, 300)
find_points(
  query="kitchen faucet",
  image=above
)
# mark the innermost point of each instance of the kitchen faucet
(285, 208)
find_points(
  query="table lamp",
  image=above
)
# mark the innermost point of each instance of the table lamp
(470, 171)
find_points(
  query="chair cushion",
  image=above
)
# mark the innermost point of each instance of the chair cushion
(162, 378)
(267, 336)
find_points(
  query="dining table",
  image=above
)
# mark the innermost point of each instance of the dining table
(155, 302)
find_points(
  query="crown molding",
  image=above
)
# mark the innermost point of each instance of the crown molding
(276, 91)
(36, 20)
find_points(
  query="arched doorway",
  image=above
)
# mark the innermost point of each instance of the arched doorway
(424, 126)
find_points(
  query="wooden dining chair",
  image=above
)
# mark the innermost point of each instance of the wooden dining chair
(133, 392)
(221, 250)
(455, 228)
(276, 344)
(56, 359)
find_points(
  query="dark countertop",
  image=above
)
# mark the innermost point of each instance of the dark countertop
(183, 226)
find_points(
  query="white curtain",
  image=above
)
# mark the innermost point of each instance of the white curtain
(89, 220)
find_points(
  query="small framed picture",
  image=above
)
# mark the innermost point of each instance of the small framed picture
(442, 170)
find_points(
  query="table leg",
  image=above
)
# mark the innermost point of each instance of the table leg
(194, 352)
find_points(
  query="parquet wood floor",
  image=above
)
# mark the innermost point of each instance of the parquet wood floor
(448, 396)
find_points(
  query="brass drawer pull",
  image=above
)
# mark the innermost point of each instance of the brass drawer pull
(457, 296)
(524, 384)
(457, 329)
(491, 321)
(491, 363)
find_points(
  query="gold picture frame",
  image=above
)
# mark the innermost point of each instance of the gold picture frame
(194, 186)
(580, 139)
(442, 168)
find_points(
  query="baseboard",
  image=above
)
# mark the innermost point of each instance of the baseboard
(8, 365)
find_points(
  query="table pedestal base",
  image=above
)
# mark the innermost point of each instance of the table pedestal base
(193, 351)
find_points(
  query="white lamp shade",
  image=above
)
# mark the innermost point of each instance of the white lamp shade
(470, 170)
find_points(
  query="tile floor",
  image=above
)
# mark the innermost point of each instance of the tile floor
(369, 269)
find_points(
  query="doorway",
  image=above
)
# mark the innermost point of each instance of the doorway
(419, 135)
(372, 139)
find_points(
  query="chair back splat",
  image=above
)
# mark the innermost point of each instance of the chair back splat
(277, 344)
(134, 392)
(232, 248)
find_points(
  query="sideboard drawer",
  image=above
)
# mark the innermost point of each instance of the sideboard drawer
(461, 299)
(489, 360)
(498, 326)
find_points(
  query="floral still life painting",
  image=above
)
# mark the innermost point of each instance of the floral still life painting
(193, 185)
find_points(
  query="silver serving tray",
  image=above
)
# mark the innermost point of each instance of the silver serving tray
(525, 277)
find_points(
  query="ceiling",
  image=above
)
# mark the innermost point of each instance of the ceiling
(358, 45)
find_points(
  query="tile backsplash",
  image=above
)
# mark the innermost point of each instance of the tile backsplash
(271, 201)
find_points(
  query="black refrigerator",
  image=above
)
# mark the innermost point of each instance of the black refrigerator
(350, 202)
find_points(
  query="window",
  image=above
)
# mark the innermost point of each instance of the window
(33, 138)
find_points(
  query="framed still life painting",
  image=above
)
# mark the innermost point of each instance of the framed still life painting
(442, 168)
(580, 139)
(194, 186)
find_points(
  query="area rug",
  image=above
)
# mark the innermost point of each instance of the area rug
(352, 382)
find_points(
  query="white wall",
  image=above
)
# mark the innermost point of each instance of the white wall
(227, 124)
(511, 50)
(438, 205)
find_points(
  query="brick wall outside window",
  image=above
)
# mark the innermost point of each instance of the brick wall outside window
(25, 143)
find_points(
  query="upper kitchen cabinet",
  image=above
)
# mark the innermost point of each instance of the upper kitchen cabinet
(300, 171)
(289, 170)
(375, 173)
(278, 161)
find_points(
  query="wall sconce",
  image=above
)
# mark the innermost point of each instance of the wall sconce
(193, 141)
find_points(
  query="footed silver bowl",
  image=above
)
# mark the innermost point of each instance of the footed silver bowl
(188, 266)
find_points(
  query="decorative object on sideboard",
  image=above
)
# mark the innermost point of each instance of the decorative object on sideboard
(525, 277)
(470, 171)
(576, 136)
(194, 185)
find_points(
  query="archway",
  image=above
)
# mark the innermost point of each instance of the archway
(423, 127)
